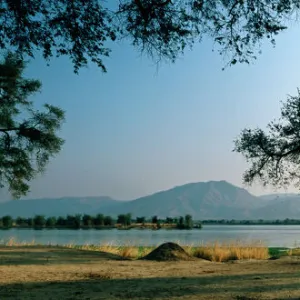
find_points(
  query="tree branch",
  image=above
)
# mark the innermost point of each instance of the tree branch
(290, 152)
(8, 139)
(6, 130)
(233, 7)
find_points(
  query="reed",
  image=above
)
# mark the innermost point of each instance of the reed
(237, 250)
(216, 251)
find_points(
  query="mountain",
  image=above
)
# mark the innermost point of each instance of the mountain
(279, 206)
(203, 200)
(57, 207)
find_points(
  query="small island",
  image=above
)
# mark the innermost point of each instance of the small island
(100, 221)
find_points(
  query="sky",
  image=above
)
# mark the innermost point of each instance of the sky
(140, 129)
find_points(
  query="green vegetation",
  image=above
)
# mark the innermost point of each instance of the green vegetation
(277, 252)
(7, 222)
(123, 221)
(217, 251)
(252, 222)
(162, 29)
(28, 137)
(84, 31)
(185, 223)
(274, 154)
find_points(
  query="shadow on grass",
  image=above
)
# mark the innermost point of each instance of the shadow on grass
(51, 255)
(255, 286)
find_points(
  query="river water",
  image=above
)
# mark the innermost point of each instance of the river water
(272, 236)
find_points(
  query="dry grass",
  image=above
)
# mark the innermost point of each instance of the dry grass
(13, 242)
(221, 252)
(217, 252)
(54, 272)
(129, 250)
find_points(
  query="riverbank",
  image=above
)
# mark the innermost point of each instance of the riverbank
(36, 272)
(217, 251)
(146, 226)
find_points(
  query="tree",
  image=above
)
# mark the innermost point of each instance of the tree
(108, 221)
(154, 220)
(121, 219)
(7, 221)
(124, 219)
(274, 156)
(140, 220)
(88, 220)
(99, 220)
(30, 222)
(39, 221)
(128, 219)
(61, 221)
(73, 221)
(51, 222)
(25, 145)
(82, 30)
(163, 29)
(180, 224)
(21, 221)
(188, 222)
(169, 220)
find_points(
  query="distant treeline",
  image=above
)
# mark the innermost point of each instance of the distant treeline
(252, 222)
(123, 221)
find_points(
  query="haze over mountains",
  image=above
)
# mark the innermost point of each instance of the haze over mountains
(203, 200)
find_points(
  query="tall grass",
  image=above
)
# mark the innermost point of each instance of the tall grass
(221, 252)
(217, 251)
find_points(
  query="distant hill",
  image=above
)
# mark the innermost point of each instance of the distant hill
(280, 207)
(203, 200)
(279, 196)
(57, 206)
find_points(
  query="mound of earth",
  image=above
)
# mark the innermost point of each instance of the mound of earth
(168, 252)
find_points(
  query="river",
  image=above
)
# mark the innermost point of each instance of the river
(270, 235)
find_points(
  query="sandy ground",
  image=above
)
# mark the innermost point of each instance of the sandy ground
(53, 273)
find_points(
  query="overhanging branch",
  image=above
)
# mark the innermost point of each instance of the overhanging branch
(6, 130)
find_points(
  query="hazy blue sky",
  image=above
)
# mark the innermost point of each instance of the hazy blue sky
(136, 130)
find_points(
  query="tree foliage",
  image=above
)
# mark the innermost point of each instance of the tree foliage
(51, 222)
(99, 220)
(7, 221)
(140, 220)
(87, 220)
(82, 30)
(124, 219)
(274, 155)
(154, 219)
(185, 222)
(39, 221)
(28, 137)
(108, 221)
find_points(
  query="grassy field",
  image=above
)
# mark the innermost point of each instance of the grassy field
(48, 272)
(217, 252)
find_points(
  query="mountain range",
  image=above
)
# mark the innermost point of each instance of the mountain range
(202, 200)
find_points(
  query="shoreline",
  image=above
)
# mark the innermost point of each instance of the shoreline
(140, 227)
(217, 251)
(47, 273)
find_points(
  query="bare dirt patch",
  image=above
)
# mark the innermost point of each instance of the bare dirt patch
(26, 273)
